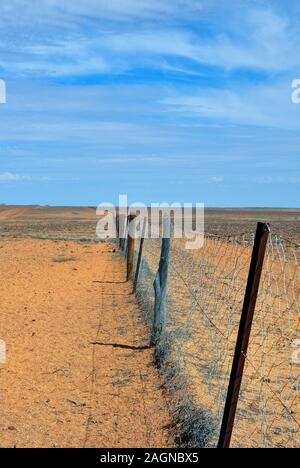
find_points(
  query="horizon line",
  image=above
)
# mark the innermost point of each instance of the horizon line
(260, 208)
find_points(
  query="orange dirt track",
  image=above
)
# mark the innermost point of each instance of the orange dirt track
(58, 389)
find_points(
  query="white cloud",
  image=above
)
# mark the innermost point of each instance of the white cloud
(2, 92)
(269, 180)
(162, 42)
(265, 41)
(57, 41)
(216, 180)
(10, 177)
(263, 106)
(72, 67)
(47, 11)
(6, 177)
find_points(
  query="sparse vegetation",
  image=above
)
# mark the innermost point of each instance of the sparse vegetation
(205, 294)
(64, 260)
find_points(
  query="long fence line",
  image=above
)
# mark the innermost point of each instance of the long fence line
(229, 386)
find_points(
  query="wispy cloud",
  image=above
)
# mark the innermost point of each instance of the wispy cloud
(216, 180)
(263, 39)
(68, 12)
(9, 177)
(262, 105)
(269, 180)
(183, 95)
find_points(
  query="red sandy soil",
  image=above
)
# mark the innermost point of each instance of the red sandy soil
(58, 389)
(13, 212)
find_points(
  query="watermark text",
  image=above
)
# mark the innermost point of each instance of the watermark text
(2, 92)
(296, 92)
(2, 352)
(157, 220)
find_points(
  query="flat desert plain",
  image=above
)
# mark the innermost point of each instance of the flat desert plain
(79, 370)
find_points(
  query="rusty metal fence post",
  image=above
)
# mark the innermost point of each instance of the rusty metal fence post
(258, 254)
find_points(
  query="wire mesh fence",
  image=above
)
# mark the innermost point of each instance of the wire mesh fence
(206, 290)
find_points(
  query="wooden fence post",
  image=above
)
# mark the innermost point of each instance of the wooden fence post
(123, 229)
(138, 266)
(117, 227)
(160, 289)
(130, 248)
(259, 249)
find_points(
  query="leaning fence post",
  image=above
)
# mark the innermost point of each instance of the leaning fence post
(138, 265)
(258, 254)
(160, 289)
(130, 247)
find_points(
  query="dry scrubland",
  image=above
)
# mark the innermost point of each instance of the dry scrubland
(60, 291)
(57, 297)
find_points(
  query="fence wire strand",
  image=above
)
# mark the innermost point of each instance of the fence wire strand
(205, 297)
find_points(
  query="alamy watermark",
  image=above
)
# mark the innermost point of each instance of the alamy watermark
(296, 92)
(2, 92)
(2, 101)
(176, 220)
(296, 351)
(2, 352)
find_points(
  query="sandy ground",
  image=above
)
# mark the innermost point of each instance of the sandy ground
(57, 388)
(13, 212)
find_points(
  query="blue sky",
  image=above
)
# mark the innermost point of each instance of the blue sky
(165, 100)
